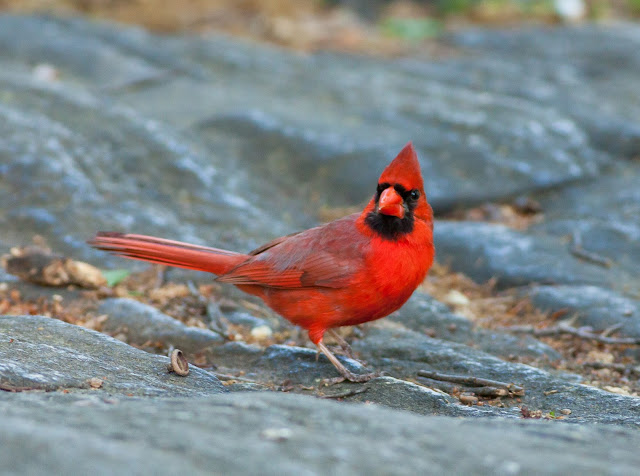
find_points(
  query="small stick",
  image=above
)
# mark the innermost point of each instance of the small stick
(451, 388)
(348, 393)
(582, 332)
(473, 382)
(212, 316)
(226, 377)
(161, 276)
(440, 385)
(609, 330)
(579, 252)
(15, 389)
(7, 387)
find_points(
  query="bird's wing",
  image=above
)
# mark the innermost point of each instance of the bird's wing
(327, 256)
(319, 270)
(271, 244)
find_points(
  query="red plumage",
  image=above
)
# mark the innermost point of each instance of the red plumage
(353, 270)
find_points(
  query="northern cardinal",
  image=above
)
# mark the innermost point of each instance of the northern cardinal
(353, 270)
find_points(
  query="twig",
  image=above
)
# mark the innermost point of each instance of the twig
(582, 332)
(226, 378)
(7, 387)
(212, 312)
(447, 387)
(611, 329)
(13, 388)
(348, 393)
(576, 249)
(480, 386)
(161, 276)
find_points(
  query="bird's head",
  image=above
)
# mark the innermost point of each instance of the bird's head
(399, 198)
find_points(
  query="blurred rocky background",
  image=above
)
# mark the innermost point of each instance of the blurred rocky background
(230, 123)
(373, 26)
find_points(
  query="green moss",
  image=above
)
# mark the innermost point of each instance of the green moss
(634, 6)
(455, 7)
(115, 276)
(411, 29)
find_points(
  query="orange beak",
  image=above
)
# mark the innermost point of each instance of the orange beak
(391, 203)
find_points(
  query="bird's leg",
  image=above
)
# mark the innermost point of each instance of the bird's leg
(344, 345)
(344, 372)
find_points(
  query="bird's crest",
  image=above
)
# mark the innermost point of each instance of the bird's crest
(404, 170)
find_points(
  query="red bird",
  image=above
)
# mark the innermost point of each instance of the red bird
(353, 270)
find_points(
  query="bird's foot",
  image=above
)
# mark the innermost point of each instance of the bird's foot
(345, 373)
(344, 345)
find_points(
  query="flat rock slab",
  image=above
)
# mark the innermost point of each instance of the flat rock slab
(577, 70)
(601, 215)
(263, 433)
(515, 258)
(42, 353)
(593, 306)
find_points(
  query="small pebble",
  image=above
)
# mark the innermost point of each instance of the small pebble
(276, 434)
(565, 411)
(468, 399)
(617, 390)
(456, 298)
(45, 72)
(95, 382)
(261, 332)
(570, 10)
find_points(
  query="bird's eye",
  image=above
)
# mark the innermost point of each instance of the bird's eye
(414, 194)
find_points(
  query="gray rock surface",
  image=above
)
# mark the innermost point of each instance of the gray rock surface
(42, 353)
(399, 348)
(484, 250)
(256, 110)
(602, 215)
(425, 315)
(142, 323)
(402, 353)
(45, 354)
(586, 72)
(289, 434)
(594, 306)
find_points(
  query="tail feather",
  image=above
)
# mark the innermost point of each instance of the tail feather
(168, 252)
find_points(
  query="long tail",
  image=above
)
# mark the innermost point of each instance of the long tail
(172, 253)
